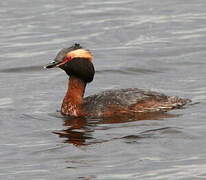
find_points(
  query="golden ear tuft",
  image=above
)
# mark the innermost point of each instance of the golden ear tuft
(80, 53)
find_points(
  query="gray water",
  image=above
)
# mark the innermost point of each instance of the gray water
(158, 45)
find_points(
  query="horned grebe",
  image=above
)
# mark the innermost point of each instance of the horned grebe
(77, 63)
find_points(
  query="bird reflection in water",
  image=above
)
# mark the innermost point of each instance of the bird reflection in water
(79, 129)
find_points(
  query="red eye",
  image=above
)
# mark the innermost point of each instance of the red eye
(65, 60)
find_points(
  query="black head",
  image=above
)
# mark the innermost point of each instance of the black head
(75, 61)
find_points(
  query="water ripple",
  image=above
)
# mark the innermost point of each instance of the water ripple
(152, 44)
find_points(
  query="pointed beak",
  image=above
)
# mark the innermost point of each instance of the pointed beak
(52, 64)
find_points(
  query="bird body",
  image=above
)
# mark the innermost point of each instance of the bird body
(129, 101)
(77, 63)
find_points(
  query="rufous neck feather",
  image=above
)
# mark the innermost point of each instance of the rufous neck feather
(73, 100)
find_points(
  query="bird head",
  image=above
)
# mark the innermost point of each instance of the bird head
(75, 61)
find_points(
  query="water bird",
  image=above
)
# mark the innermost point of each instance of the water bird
(76, 61)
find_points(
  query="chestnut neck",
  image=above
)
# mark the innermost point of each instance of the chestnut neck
(73, 100)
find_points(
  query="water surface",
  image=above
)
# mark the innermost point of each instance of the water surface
(158, 45)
